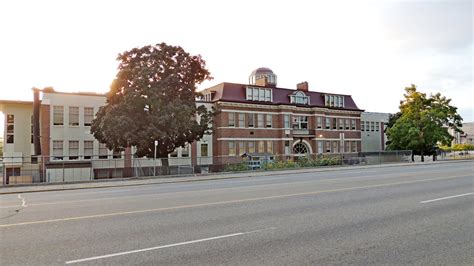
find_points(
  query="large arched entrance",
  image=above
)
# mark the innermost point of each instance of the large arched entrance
(301, 148)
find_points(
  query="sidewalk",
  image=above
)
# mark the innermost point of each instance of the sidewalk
(138, 181)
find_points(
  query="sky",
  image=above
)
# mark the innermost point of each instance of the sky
(371, 50)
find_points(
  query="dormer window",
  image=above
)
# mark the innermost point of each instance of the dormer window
(299, 97)
(334, 100)
(259, 94)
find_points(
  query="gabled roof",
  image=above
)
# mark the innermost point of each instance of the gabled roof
(234, 92)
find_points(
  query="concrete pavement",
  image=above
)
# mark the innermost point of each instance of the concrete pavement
(384, 215)
(38, 187)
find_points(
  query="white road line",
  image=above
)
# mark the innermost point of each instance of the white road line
(166, 246)
(23, 201)
(450, 197)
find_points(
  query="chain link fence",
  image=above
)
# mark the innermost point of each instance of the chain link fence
(27, 170)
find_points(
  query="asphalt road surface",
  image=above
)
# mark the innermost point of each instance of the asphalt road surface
(421, 214)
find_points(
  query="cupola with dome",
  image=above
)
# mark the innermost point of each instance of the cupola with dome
(263, 76)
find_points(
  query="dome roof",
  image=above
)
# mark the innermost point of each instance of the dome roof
(262, 70)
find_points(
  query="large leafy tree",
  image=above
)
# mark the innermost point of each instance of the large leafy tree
(422, 122)
(153, 98)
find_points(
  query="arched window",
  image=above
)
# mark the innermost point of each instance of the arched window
(299, 98)
(300, 148)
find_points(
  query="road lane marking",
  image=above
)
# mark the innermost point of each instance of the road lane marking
(23, 201)
(450, 197)
(229, 201)
(167, 246)
(325, 181)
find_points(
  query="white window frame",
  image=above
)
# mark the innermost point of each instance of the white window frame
(58, 115)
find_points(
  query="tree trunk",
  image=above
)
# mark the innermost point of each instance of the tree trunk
(165, 163)
(412, 156)
(422, 157)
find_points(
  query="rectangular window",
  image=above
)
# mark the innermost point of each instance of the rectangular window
(300, 122)
(261, 95)
(269, 120)
(261, 146)
(231, 148)
(249, 93)
(103, 151)
(173, 154)
(88, 116)
(328, 123)
(88, 149)
(251, 147)
(241, 120)
(341, 123)
(10, 128)
(353, 124)
(57, 149)
(328, 146)
(287, 121)
(231, 119)
(117, 155)
(347, 124)
(250, 120)
(319, 122)
(204, 150)
(73, 150)
(347, 146)
(335, 146)
(334, 123)
(332, 100)
(10, 119)
(372, 126)
(377, 126)
(326, 100)
(73, 116)
(255, 94)
(354, 146)
(241, 147)
(287, 147)
(268, 95)
(320, 146)
(362, 125)
(185, 150)
(269, 146)
(260, 120)
(58, 115)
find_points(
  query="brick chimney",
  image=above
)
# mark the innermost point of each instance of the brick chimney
(262, 81)
(303, 86)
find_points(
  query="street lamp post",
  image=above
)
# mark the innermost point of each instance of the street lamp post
(154, 168)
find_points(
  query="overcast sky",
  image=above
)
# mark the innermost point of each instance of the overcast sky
(369, 49)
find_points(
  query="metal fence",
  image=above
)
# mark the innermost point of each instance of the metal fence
(26, 170)
(456, 155)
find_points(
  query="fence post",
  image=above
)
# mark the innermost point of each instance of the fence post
(63, 172)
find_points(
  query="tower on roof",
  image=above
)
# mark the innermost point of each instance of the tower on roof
(263, 76)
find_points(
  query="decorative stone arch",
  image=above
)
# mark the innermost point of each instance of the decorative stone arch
(300, 145)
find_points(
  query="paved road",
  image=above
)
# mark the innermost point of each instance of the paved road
(409, 215)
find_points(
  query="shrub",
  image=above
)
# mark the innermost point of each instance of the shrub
(236, 167)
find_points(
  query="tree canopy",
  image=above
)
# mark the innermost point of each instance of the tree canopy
(153, 98)
(422, 122)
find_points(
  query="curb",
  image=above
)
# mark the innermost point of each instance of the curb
(163, 180)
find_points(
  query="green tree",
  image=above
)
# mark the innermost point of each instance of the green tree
(153, 98)
(423, 123)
